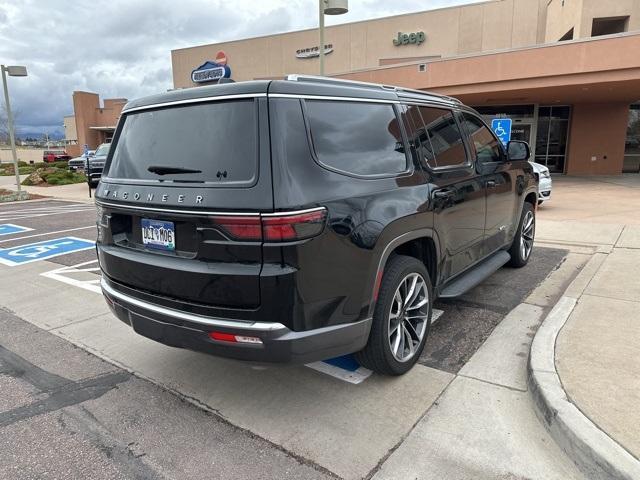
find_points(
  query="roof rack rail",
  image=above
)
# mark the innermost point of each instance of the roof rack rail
(338, 81)
(342, 81)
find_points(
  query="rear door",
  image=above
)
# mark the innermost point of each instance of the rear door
(181, 198)
(457, 194)
(499, 180)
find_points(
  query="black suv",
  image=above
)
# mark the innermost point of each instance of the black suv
(95, 164)
(302, 219)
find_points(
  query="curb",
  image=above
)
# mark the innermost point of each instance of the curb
(596, 454)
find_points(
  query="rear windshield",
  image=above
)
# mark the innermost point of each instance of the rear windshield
(214, 143)
(102, 149)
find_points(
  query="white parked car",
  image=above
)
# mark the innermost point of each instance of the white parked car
(544, 182)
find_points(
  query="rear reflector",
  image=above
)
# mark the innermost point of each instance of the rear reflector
(229, 337)
(277, 227)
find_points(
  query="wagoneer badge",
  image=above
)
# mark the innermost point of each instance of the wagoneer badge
(150, 197)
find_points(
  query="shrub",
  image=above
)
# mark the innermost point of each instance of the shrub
(53, 176)
(62, 177)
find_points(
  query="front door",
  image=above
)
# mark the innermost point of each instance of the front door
(521, 131)
(500, 223)
(457, 195)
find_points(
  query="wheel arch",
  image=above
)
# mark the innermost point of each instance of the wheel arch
(422, 243)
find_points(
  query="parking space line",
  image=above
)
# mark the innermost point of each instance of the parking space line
(63, 275)
(8, 216)
(12, 228)
(46, 233)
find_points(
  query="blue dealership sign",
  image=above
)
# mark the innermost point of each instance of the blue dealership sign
(502, 128)
(210, 72)
(9, 228)
(34, 252)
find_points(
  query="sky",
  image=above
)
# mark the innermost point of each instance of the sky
(122, 48)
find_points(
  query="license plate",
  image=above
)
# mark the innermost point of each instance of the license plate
(158, 234)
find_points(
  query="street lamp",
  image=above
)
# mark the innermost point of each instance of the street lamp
(13, 71)
(329, 7)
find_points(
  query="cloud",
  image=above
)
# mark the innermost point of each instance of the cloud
(120, 48)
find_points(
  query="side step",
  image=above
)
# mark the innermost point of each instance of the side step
(477, 274)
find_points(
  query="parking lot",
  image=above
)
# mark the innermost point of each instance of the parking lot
(136, 409)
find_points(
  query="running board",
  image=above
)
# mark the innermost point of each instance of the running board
(475, 275)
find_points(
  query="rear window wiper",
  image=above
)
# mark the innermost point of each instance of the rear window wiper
(169, 170)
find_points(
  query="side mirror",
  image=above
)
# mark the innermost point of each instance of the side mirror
(518, 150)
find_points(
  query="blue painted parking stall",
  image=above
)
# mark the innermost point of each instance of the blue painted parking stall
(34, 252)
(10, 229)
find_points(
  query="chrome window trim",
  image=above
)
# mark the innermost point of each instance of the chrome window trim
(190, 317)
(194, 100)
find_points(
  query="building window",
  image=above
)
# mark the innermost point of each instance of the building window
(609, 25)
(567, 36)
(632, 143)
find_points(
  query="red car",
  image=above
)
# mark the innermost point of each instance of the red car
(51, 156)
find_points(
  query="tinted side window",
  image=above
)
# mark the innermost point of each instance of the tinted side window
(357, 138)
(485, 144)
(418, 137)
(445, 137)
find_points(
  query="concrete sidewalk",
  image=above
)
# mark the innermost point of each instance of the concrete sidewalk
(78, 192)
(585, 360)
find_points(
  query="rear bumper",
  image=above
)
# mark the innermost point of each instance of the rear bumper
(279, 344)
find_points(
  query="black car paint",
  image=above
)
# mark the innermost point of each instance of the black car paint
(324, 282)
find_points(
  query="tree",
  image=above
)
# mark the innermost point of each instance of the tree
(4, 123)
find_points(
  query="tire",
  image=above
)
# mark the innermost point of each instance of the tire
(378, 355)
(93, 185)
(522, 245)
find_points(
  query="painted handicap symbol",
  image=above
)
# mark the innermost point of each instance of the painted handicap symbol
(43, 250)
(37, 251)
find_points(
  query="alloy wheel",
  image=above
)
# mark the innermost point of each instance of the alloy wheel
(528, 231)
(408, 317)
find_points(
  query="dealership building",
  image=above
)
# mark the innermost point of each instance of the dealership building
(567, 72)
(92, 123)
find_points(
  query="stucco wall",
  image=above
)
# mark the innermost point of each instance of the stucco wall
(562, 15)
(484, 26)
(597, 131)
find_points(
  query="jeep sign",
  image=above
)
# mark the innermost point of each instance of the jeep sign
(406, 38)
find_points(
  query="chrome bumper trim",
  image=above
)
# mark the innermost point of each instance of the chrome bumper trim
(190, 317)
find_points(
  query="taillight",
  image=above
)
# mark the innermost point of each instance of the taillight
(246, 228)
(273, 227)
(282, 227)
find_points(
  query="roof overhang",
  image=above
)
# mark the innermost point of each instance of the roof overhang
(602, 69)
(103, 129)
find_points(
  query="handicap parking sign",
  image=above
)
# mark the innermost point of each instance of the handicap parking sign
(502, 128)
(34, 252)
(9, 228)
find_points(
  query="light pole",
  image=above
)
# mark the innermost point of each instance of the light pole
(329, 7)
(13, 71)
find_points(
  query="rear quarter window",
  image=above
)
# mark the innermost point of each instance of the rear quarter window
(357, 138)
(214, 143)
